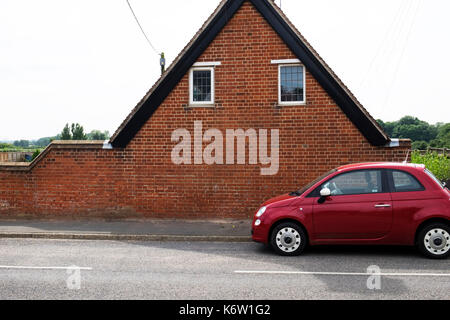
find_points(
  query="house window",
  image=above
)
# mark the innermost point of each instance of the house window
(201, 86)
(291, 84)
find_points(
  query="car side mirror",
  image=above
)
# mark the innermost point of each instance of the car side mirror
(324, 193)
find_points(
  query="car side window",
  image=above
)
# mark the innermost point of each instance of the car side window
(405, 182)
(355, 182)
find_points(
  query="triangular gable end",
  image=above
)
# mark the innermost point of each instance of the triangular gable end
(293, 39)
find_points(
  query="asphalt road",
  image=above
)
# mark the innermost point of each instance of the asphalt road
(37, 269)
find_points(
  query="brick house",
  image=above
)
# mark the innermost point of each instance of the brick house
(247, 68)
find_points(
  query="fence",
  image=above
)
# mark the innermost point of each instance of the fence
(440, 151)
(14, 156)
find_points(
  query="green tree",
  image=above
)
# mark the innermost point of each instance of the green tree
(78, 132)
(436, 143)
(419, 145)
(22, 143)
(388, 127)
(417, 130)
(6, 146)
(43, 142)
(444, 135)
(98, 135)
(65, 133)
(73, 132)
(414, 129)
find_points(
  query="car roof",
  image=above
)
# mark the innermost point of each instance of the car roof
(388, 165)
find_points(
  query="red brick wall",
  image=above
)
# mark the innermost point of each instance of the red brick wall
(142, 180)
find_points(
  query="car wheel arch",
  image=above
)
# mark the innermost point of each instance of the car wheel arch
(428, 221)
(278, 222)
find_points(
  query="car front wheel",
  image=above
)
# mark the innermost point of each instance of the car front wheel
(288, 239)
(434, 241)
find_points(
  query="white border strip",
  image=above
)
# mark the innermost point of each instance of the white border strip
(285, 61)
(346, 273)
(207, 64)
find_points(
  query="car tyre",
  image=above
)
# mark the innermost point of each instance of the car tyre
(434, 241)
(288, 239)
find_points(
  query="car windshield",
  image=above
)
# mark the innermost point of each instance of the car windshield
(432, 176)
(309, 185)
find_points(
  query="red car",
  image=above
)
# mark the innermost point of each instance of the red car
(367, 203)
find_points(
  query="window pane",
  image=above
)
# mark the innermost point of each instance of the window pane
(405, 182)
(358, 182)
(201, 84)
(291, 82)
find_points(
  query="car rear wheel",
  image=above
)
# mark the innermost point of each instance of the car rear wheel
(288, 239)
(434, 241)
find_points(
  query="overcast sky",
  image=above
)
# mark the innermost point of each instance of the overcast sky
(86, 61)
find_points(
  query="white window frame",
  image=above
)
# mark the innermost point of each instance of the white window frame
(294, 64)
(191, 86)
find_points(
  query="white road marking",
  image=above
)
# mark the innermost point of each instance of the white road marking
(387, 274)
(44, 268)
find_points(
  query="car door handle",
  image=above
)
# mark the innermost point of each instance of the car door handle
(382, 206)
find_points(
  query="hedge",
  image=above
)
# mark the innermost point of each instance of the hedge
(438, 164)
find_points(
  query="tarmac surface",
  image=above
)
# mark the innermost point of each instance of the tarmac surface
(92, 269)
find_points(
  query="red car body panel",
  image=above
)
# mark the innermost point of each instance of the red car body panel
(343, 218)
(354, 219)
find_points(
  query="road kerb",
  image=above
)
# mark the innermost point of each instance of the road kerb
(123, 237)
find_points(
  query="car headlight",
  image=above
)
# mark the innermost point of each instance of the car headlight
(260, 212)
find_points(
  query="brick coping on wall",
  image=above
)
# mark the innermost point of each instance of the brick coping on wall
(56, 144)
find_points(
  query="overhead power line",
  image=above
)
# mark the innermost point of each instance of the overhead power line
(400, 60)
(392, 32)
(143, 32)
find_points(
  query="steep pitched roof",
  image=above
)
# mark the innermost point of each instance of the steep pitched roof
(293, 39)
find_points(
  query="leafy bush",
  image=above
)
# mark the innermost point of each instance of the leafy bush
(35, 154)
(419, 145)
(7, 147)
(438, 164)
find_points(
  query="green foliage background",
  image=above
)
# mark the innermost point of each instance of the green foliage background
(438, 164)
(421, 133)
(73, 132)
